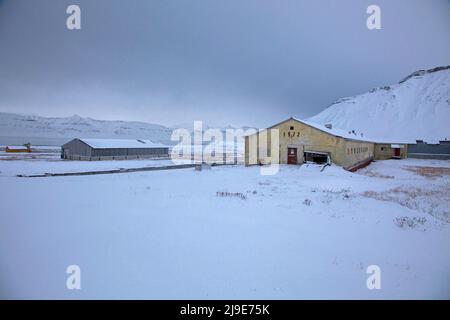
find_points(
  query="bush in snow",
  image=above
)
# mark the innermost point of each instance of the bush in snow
(329, 195)
(432, 201)
(407, 222)
(307, 202)
(429, 172)
(231, 194)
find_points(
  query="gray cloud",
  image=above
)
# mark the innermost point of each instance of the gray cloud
(238, 61)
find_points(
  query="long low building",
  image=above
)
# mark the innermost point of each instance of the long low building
(434, 150)
(112, 149)
(301, 141)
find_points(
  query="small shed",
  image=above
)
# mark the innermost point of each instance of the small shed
(17, 149)
(113, 149)
(386, 150)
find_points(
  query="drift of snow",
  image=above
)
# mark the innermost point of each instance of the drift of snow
(417, 108)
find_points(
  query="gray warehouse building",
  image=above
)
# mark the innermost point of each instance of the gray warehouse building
(424, 150)
(112, 149)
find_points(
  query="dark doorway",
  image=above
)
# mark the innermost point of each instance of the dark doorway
(316, 157)
(397, 152)
(292, 155)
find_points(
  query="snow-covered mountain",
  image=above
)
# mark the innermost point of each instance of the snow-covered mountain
(60, 129)
(19, 129)
(416, 108)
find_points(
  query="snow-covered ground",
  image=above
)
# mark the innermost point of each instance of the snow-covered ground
(48, 160)
(29, 166)
(229, 233)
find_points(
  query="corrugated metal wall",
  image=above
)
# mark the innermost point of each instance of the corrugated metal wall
(429, 151)
(78, 150)
(129, 152)
(76, 147)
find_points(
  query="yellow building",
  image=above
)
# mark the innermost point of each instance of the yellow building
(384, 151)
(300, 141)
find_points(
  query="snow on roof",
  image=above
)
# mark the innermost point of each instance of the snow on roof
(336, 132)
(344, 133)
(121, 143)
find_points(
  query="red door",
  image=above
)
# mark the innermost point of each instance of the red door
(292, 155)
(396, 152)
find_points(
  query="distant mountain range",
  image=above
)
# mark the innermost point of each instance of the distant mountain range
(58, 129)
(416, 108)
(18, 129)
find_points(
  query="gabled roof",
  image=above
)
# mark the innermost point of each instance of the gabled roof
(334, 132)
(121, 143)
(341, 133)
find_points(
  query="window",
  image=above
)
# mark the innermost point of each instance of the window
(292, 128)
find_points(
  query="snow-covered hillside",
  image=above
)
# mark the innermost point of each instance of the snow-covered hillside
(16, 125)
(418, 107)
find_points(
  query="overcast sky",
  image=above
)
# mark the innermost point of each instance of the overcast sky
(239, 62)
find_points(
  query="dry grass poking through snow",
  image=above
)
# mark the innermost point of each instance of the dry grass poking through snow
(377, 175)
(429, 172)
(408, 222)
(231, 194)
(434, 202)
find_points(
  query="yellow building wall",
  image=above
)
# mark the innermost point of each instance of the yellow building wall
(294, 134)
(384, 151)
(356, 152)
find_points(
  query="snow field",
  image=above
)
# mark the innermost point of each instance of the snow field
(179, 234)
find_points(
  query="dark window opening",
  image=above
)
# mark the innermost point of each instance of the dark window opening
(292, 128)
(319, 158)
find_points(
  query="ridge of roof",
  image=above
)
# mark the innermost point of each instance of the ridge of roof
(340, 132)
(121, 143)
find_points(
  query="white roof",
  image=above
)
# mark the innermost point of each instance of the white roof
(347, 134)
(121, 143)
(334, 131)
